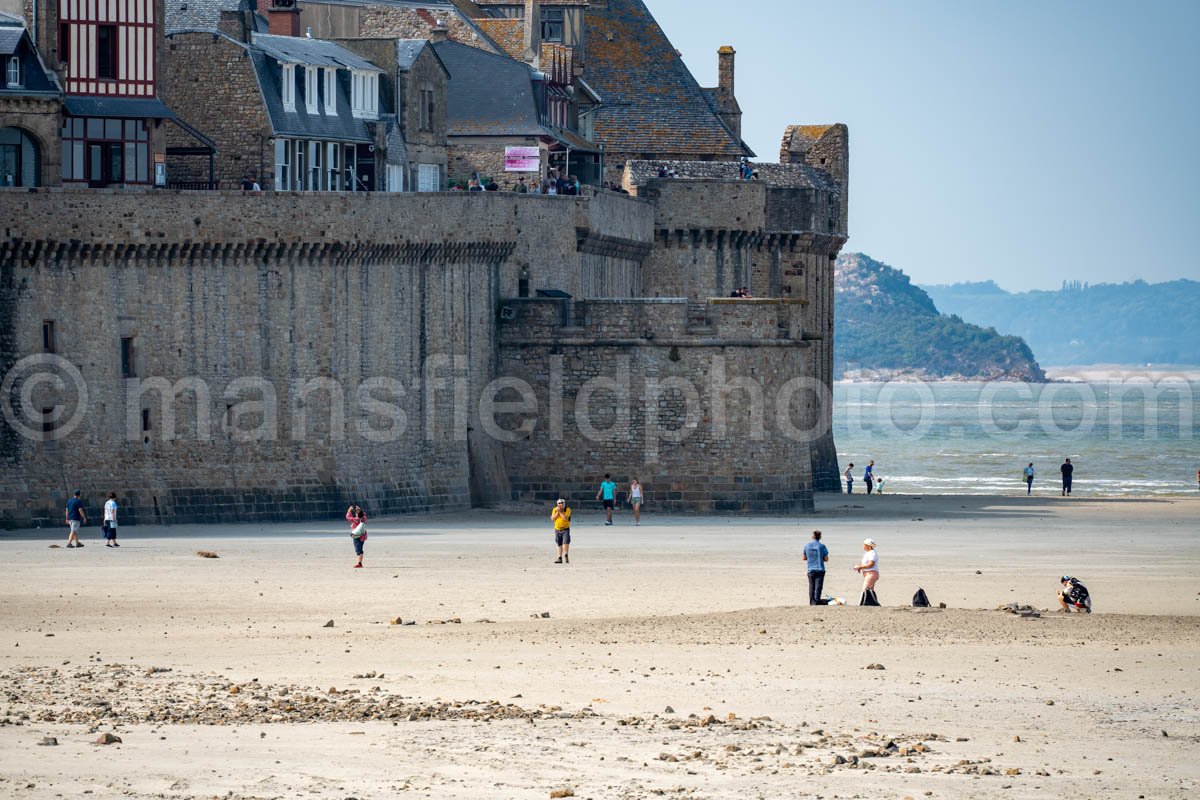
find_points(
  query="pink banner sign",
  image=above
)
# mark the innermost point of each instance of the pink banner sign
(522, 159)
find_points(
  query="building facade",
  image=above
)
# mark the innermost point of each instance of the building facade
(30, 111)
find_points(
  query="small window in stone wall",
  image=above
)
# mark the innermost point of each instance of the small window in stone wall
(49, 340)
(145, 419)
(127, 366)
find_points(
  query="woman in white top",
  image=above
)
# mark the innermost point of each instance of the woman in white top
(635, 500)
(110, 521)
(869, 567)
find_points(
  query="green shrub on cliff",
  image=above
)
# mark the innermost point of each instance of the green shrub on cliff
(884, 322)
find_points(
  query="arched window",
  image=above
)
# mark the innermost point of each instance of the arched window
(20, 161)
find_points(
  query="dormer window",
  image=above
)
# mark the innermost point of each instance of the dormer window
(288, 87)
(330, 91)
(364, 94)
(13, 77)
(310, 90)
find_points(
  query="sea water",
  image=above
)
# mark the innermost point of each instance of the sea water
(1124, 437)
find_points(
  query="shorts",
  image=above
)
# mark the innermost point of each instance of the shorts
(358, 545)
(562, 537)
(608, 503)
(110, 529)
(74, 525)
(636, 501)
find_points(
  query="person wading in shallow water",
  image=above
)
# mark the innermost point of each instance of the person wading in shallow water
(849, 473)
(1068, 471)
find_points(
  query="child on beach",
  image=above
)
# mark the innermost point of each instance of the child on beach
(109, 525)
(358, 531)
(1073, 596)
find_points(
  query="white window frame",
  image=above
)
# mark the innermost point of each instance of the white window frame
(429, 177)
(364, 94)
(283, 165)
(395, 177)
(333, 165)
(316, 166)
(330, 91)
(288, 87)
(13, 72)
(311, 90)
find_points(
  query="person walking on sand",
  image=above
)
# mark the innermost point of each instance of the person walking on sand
(817, 556)
(869, 567)
(608, 492)
(1067, 470)
(635, 500)
(109, 525)
(561, 517)
(1029, 479)
(358, 531)
(849, 473)
(869, 477)
(76, 516)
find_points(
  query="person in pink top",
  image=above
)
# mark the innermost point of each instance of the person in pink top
(358, 531)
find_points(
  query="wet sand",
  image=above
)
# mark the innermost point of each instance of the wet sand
(216, 673)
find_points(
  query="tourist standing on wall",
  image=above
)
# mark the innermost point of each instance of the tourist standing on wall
(607, 493)
(869, 567)
(1029, 479)
(358, 531)
(1068, 471)
(561, 517)
(817, 556)
(869, 477)
(635, 500)
(76, 516)
(849, 473)
(109, 525)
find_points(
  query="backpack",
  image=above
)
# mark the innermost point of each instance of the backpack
(920, 599)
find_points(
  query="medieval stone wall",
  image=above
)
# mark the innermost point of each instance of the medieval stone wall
(313, 349)
(709, 419)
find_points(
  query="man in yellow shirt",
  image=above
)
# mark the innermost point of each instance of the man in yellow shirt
(561, 517)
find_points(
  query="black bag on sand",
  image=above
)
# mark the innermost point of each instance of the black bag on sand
(920, 599)
(868, 598)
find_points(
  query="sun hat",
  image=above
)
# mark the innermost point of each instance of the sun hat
(869, 542)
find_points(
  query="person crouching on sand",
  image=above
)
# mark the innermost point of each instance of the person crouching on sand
(561, 517)
(358, 531)
(869, 567)
(1073, 596)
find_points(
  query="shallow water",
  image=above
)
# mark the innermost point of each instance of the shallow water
(1124, 437)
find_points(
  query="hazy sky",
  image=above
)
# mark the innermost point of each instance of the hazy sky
(1020, 141)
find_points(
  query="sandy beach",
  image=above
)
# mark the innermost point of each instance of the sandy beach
(678, 659)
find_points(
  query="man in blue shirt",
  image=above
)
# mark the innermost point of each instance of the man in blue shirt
(816, 554)
(869, 477)
(608, 492)
(75, 517)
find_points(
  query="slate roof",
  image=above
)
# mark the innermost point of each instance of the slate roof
(38, 81)
(196, 14)
(315, 52)
(131, 107)
(10, 37)
(653, 104)
(508, 34)
(490, 95)
(342, 126)
(409, 50)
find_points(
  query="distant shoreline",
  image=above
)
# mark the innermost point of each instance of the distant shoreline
(1078, 373)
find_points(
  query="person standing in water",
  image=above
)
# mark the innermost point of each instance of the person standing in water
(849, 473)
(1029, 479)
(1068, 472)
(869, 477)
(358, 531)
